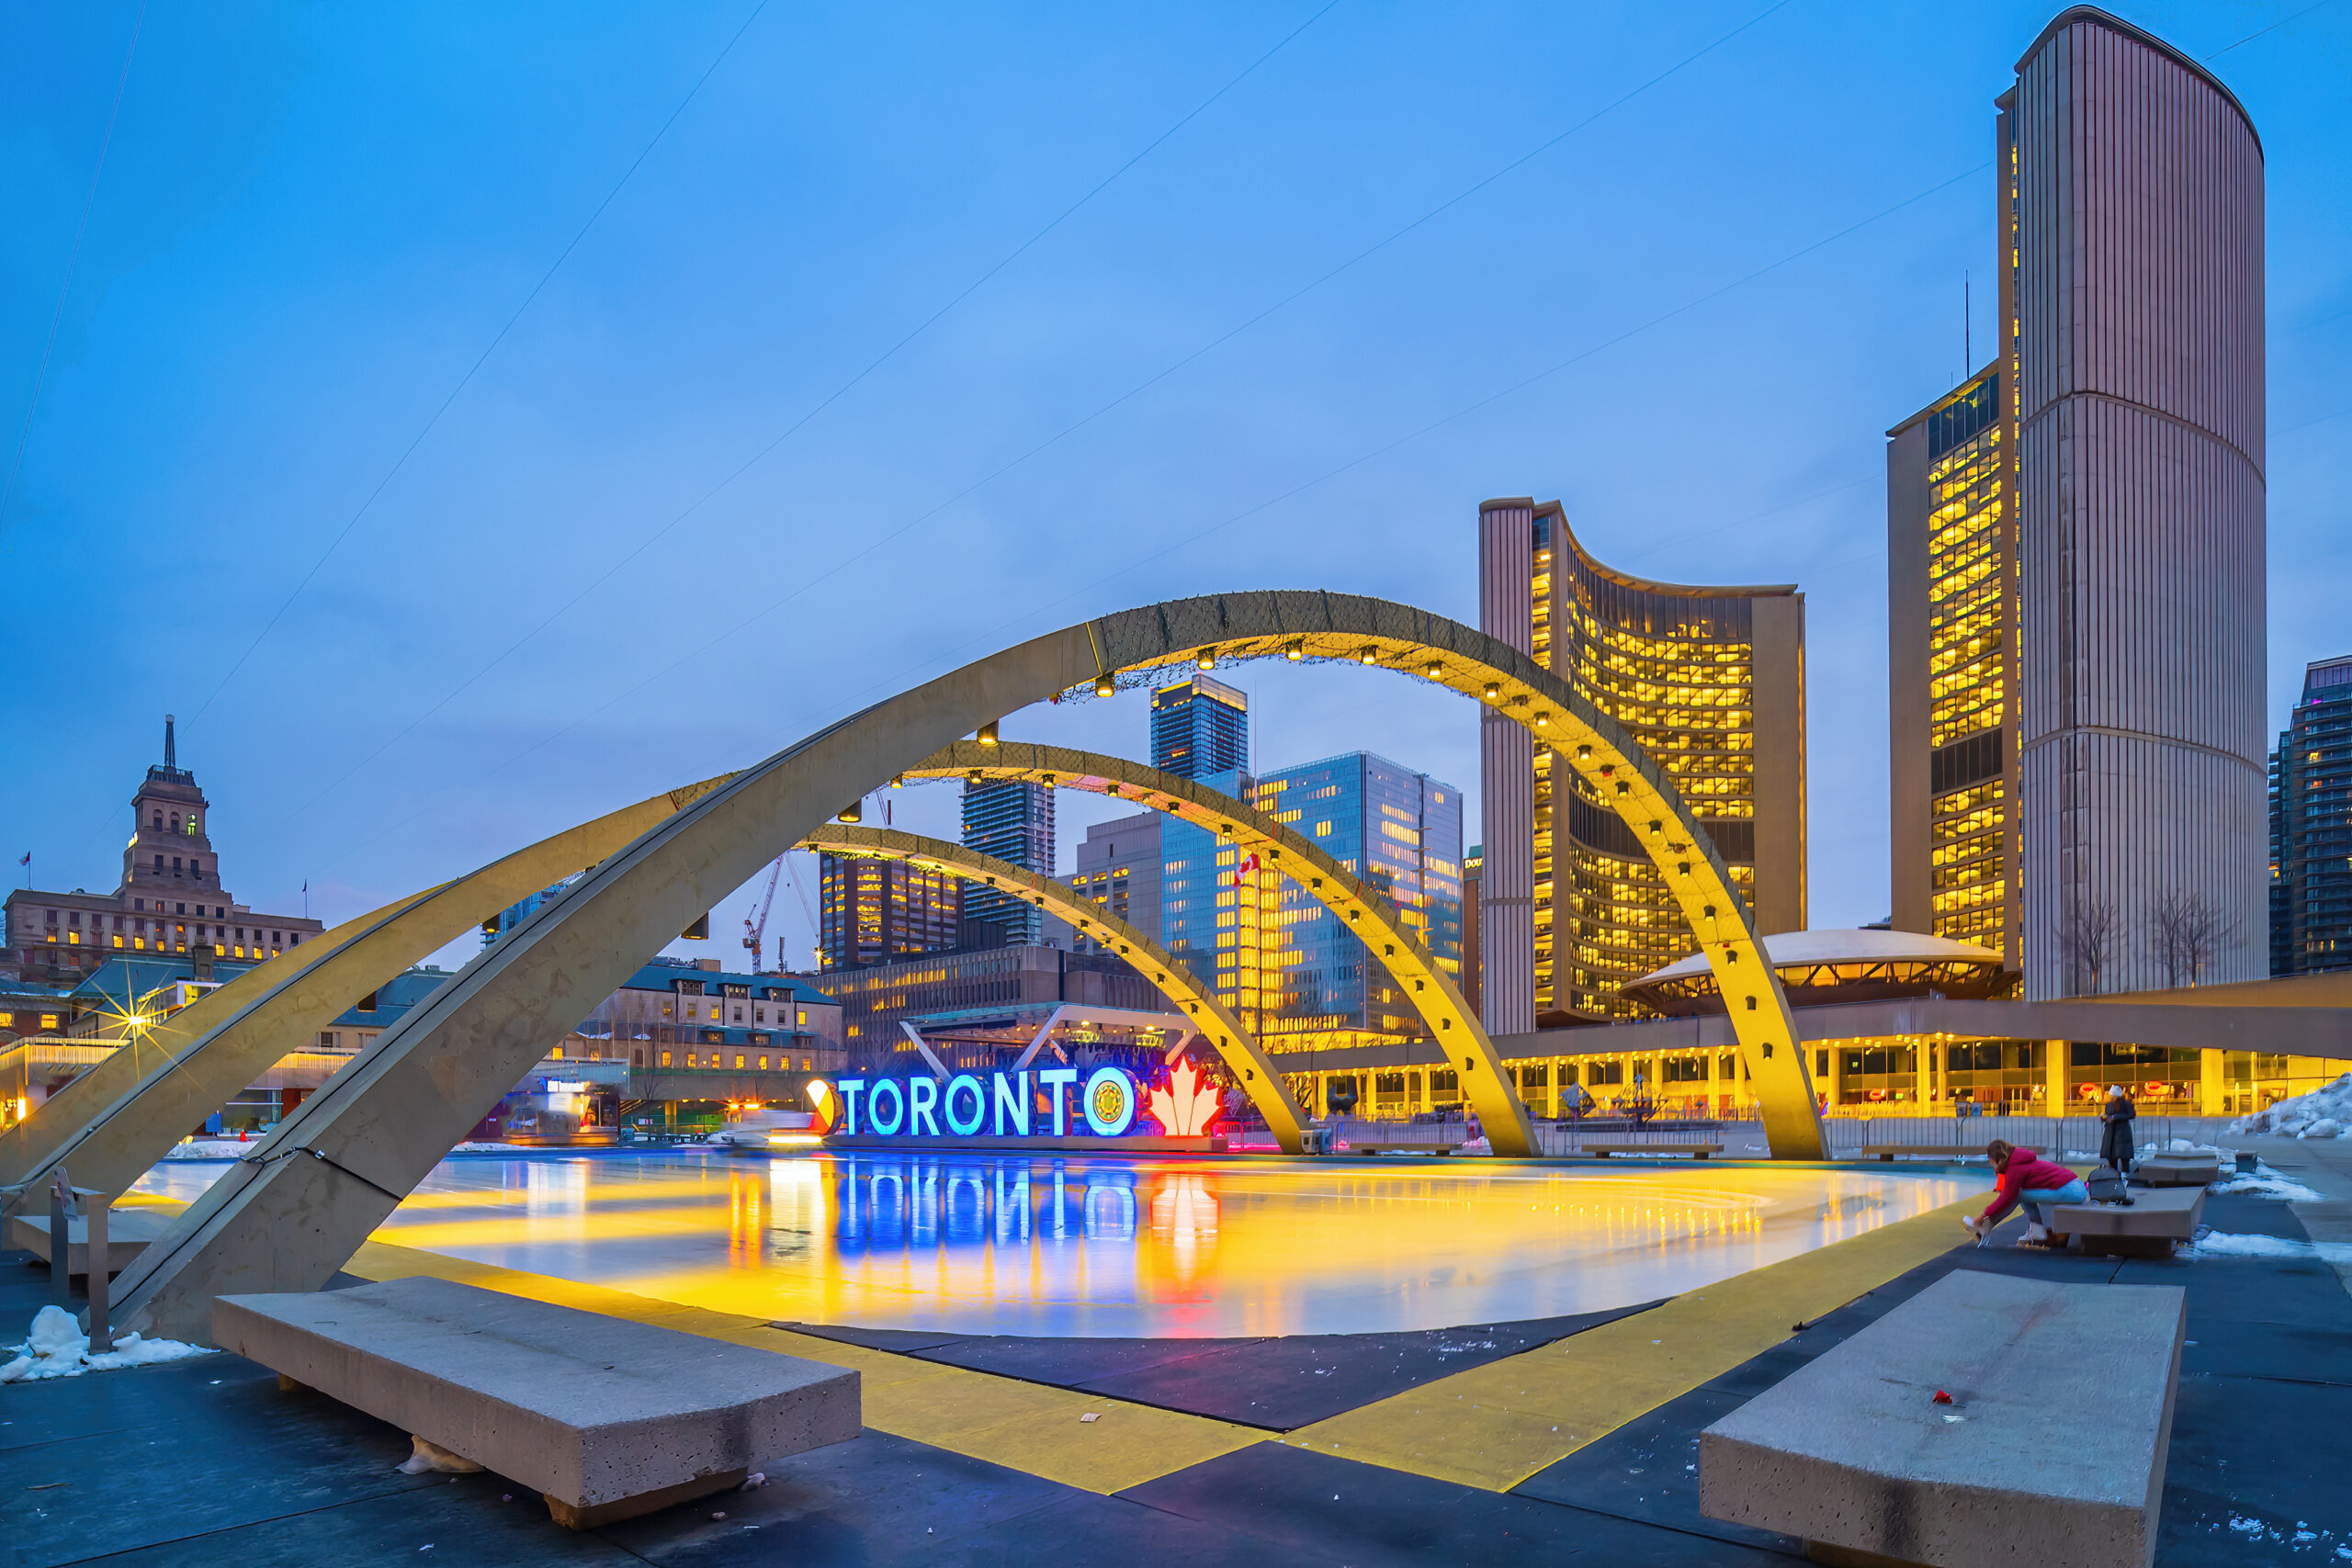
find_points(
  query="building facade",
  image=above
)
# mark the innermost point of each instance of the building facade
(1012, 820)
(2311, 826)
(1320, 986)
(879, 911)
(1119, 868)
(2075, 546)
(1710, 682)
(981, 988)
(1951, 563)
(1199, 728)
(169, 901)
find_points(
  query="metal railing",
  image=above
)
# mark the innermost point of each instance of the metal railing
(2059, 1136)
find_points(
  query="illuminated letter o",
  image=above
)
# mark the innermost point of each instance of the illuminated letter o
(957, 1124)
(874, 1107)
(1110, 1102)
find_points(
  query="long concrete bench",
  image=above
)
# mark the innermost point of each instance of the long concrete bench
(606, 1418)
(127, 1232)
(1602, 1151)
(2052, 1451)
(2178, 1170)
(2157, 1218)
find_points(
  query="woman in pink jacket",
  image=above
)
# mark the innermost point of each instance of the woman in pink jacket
(2038, 1183)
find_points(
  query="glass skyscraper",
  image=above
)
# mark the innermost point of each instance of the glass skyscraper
(2311, 826)
(1294, 973)
(1401, 832)
(1199, 728)
(1013, 820)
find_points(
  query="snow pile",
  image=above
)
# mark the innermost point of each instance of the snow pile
(2324, 1113)
(57, 1348)
(2222, 1244)
(2264, 1182)
(212, 1148)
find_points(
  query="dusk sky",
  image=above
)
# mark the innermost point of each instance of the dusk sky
(468, 419)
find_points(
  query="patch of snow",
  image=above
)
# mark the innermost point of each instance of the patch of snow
(473, 1148)
(2223, 1244)
(2264, 1182)
(56, 1347)
(2322, 1113)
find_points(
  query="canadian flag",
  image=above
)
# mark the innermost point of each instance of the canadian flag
(1245, 870)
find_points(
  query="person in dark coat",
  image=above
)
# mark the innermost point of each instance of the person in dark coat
(2115, 1136)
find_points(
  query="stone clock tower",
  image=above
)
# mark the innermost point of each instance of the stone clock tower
(169, 850)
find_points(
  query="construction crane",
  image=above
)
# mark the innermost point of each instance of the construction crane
(802, 894)
(756, 931)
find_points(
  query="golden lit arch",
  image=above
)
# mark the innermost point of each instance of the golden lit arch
(1387, 941)
(1259, 1079)
(278, 1223)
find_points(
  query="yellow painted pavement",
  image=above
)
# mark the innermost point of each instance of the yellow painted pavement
(1495, 1425)
(1027, 1427)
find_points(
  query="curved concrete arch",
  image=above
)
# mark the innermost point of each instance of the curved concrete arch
(1375, 920)
(278, 1221)
(132, 1115)
(1258, 1077)
(29, 1148)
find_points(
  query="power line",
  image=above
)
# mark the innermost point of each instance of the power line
(483, 358)
(2260, 31)
(795, 426)
(883, 541)
(1521, 385)
(1461, 414)
(72, 263)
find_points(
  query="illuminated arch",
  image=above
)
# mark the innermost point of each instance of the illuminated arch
(112, 1124)
(1259, 1079)
(1386, 940)
(373, 1132)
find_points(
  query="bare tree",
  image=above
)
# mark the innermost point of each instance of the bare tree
(2187, 931)
(2088, 937)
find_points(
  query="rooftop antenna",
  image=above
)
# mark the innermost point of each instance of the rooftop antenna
(1967, 327)
(171, 757)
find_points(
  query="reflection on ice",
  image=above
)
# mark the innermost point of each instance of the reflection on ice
(1009, 1244)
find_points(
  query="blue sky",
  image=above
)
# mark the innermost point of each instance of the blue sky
(599, 572)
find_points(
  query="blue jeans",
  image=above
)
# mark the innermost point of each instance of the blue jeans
(2035, 1200)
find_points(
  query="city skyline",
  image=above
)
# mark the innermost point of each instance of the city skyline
(1785, 491)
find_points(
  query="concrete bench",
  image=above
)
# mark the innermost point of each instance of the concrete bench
(2052, 1452)
(127, 1232)
(1602, 1151)
(1888, 1153)
(2178, 1170)
(2156, 1219)
(606, 1418)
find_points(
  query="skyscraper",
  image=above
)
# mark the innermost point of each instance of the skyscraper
(1199, 728)
(2311, 826)
(874, 911)
(1013, 820)
(1710, 681)
(1401, 832)
(2076, 557)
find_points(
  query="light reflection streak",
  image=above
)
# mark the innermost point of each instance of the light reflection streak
(1073, 1244)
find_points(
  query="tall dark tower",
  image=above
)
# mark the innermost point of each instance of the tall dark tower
(169, 849)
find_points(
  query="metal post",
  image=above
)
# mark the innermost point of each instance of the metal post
(93, 1212)
(61, 1260)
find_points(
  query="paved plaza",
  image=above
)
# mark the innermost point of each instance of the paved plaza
(1528, 1442)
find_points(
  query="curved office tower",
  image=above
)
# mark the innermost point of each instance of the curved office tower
(1711, 683)
(2135, 341)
